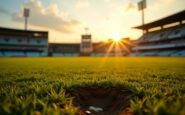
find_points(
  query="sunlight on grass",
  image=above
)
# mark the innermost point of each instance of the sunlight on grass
(40, 85)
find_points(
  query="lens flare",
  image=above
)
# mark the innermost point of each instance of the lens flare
(117, 37)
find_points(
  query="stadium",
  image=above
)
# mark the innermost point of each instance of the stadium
(164, 37)
(94, 49)
(24, 43)
(54, 68)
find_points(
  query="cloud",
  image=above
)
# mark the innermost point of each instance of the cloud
(82, 4)
(4, 11)
(131, 6)
(49, 17)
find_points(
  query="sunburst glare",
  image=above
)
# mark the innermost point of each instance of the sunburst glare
(117, 37)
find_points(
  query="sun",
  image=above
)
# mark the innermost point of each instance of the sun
(116, 37)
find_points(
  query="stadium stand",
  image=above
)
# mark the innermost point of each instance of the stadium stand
(111, 48)
(21, 43)
(99, 49)
(164, 37)
(64, 49)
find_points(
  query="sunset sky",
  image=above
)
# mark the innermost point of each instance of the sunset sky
(66, 19)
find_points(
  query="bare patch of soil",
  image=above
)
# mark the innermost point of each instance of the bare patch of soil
(112, 101)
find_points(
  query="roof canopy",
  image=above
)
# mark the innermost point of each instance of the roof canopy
(25, 33)
(164, 21)
(3, 29)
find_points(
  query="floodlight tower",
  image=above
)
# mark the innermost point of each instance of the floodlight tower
(26, 15)
(86, 30)
(142, 5)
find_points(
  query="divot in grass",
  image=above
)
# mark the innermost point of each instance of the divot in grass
(101, 101)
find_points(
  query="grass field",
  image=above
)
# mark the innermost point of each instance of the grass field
(38, 85)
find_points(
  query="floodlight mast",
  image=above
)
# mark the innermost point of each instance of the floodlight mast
(86, 30)
(26, 15)
(141, 7)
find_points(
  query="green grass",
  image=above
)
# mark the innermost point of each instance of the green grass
(38, 85)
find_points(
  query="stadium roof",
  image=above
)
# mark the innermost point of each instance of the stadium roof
(19, 32)
(164, 21)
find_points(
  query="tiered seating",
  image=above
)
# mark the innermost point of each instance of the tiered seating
(75, 54)
(134, 54)
(163, 34)
(148, 53)
(179, 53)
(182, 53)
(65, 54)
(1, 54)
(43, 54)
(33, 54)
(97, 54)
(166, 53)
(183, 31)
(176, 33)
(147, 37)
(13, 53)
(168, 41)
(159, 35)
(68, 54)
(57, 54)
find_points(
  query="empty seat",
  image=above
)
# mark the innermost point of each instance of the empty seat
(57, 54)
(68, 54)
(94, 54)
(97, 54)
(176, 33)
(183, 53)
(76, 54)
(13, 53)
(165, 53)
(149, 53)
(179, 53)
(183, 31)
(1, 54)
(134, 54)
(32, 54)
(43, 54)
